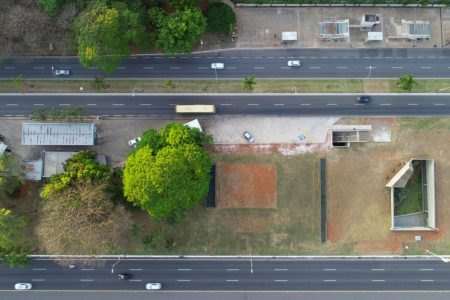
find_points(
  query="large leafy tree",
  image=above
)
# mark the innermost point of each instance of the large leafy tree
(103, 33)
(406, 82)
(169, 172)
(179, 31)
(221, 18)
(10, 179)
(13, 249)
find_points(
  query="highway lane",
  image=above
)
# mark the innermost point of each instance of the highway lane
(263, 63)
(125, 105)
(239, 274)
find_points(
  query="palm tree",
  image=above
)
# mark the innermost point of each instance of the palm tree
(406, 82)
(249, 82)
(99, 82)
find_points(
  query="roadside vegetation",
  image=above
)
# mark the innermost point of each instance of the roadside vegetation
(105, 85)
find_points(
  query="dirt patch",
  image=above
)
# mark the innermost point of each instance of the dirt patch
(246, 186)
(381, 86)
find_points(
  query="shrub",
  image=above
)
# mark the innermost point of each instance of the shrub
(221, 18)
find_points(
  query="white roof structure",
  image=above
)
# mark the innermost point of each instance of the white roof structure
(289, 36)
(333, 29)
(194, 124)
(58, 134)
(374, 36)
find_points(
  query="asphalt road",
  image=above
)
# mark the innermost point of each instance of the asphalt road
(262, 63)
(125, 105)
(244, 274)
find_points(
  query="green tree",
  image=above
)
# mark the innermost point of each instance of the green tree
(51, 7)
(249, 82)
(13, 248)
(81, 166)
(169, 84)
(183, 4)
(100, 37)
(10, 178)
(406, 82)
(180, 30)
(18, 81)
(168, 173)
(99, 83)
(221, 18)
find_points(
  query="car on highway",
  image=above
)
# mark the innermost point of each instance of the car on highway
(133, 142)
(124, 276)
(62, 72)
(23, 286)
(217, 66)
(249, 137)
(294, 63)
(362, 99)
(153, 286)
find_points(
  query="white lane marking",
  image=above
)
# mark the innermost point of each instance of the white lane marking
(145, 104)
(117, 115)
(9, 68)
(203, 68)
(257, 57)
(331, 104)
(159, 57)
(197, 57)
(12, 104)
(172, 57)
(413, 104)
(425, 67)
(397, 67)
(38, 279)
(232, 280)
(426, 269)
(313, 57)
(225, 104)
(86, 280)
(135, 279)
(324, 57)
(367, 57)
(175, 68)
(91, 104)
(233, 269)
(344, 56)
(334, 57)
(305, 104)
(19, 115)
(359, 104)
(118, 104)
(431, 57)
(439, 104)
(329, 269)
(280, 56)
(370, 68)
(278, 104)
(233, 57)
(284, 68)
(38, 68)
(280, 269)
(442, 57)
(377, 269)
(87, 269)
(121, 68)
(7, 115)
(259, 68)
(130, 115)
(209, 57)
(329, 280)
(270, 57)
(341, 67)
(172, 104)
(149, 68)
(245, 57)
(385, 104)
(184, 269)
(64, 104)
(183, 280)
(388, 56)
(39, 269)
(254, 104)
(231, 68)
(280, 280)
(39, 104)
(145, 57)
(378, 280)
(426, 280)
(315, 67)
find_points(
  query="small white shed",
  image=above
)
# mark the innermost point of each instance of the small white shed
(289, 36)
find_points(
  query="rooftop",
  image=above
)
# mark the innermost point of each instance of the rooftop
(58, 134)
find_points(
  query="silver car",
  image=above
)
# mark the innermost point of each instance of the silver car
(153, 286)
(23, 286)
(218, 66)
(62, 72)
(249, 137)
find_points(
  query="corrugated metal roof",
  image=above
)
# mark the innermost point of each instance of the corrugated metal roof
(58, 134)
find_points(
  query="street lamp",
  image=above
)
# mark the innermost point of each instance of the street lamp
(446, 260)
(251, 262)
(53, 71)
(215, 71)
(370, 71)
(118, 260)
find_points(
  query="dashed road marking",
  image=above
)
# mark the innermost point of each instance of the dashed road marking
(91, 104)
(426, 269)
(397, 67)
(315, 67)
(425, 67)
(305, 104)
(203, 68)
(377, 269)
(329, 280)
(225, 104)
(86, 280)
(39, 104)
(175, 68)
(233, 270)
(257, 57)
(439, 104)
(183, 280)
(136, 280)
(412, 104)
(278, 104)
(341, 67)
(9, 68)
(426, 280)
(38, 279)
(259, 68)
(253, 104)
(280, 270)
(329, 269)
(378, 280)
(280, 280)
(184, 269)
(12, 104)
(232, 280)
(118, 104)
(331, 104)
(145, 104)
(385, 104)
(121, 68)
(149, 68)
(87, 269)
(64, 104)
(38, 68)
(39, 269)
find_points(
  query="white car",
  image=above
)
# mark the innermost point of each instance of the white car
(249, 137)
(62, 72)
(293, 63)
(23, 286)
(218, 66)
(132, 143)
(153, 286)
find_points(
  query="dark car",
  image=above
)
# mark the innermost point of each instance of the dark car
(124, 276)
(363, 99)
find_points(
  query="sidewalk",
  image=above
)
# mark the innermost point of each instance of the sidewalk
(263, 27)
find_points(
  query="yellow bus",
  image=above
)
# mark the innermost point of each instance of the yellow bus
(195, 109)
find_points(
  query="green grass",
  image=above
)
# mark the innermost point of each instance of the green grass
(292, 228)
(222, 86)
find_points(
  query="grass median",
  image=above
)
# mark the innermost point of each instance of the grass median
(221, 86)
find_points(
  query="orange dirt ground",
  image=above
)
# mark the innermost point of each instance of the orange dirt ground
(246, 186)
